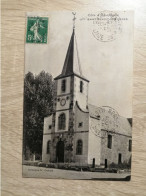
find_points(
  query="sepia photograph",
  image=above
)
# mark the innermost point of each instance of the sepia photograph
(77, 111)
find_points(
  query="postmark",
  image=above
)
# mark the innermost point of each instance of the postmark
(37, 30)
(107, 26)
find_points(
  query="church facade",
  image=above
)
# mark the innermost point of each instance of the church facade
(78, 132)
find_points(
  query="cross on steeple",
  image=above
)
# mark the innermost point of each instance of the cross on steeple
(74, 18)
(72, 62)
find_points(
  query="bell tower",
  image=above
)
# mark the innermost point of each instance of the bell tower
(72, 87)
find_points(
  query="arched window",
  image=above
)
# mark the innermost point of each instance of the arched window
(48, 147)
(81, 86)
(61, 121)
(79, 147)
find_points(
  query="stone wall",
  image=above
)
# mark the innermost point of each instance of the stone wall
(120, 144)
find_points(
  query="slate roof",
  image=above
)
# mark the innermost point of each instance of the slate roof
(72, 63)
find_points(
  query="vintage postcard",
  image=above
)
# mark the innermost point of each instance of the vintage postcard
(78, 95)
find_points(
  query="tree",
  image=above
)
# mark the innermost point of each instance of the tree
(39, 92)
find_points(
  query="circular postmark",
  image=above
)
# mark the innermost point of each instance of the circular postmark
(107, 26)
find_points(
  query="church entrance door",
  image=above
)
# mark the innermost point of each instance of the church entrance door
(60, 152)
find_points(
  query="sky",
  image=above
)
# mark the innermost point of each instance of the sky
(108, 65)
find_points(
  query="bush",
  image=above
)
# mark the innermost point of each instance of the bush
(123, 165)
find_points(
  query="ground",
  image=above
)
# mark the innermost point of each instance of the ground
(41, 172)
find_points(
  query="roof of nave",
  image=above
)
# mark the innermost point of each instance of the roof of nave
(110, 119)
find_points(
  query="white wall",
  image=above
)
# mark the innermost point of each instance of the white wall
(81, 133)
(46, 138)
(59, 92)
(82, 98)
(94, 141)
(45, 156)
(81, 159)
(67, 104)
(47, 122)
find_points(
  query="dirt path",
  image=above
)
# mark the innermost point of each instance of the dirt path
(41, 172)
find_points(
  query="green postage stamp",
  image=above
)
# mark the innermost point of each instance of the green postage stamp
(37, 30)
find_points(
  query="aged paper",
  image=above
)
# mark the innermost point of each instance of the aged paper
(78, 95)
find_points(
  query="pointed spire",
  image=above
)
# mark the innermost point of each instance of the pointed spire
(68, 64)
(72, 62)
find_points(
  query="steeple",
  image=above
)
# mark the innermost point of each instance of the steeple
(69, 60)
(72, 62)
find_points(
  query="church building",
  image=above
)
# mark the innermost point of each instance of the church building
(78, 132)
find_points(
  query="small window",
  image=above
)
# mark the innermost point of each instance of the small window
(80, 124)
(63, 86)
(98, 117)
(130, 145)
(79, 147)
(120, 158)
(71, 104)
(81, 86)
(109, 142)
(48, 147)
(105, 163)
(50, 126)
